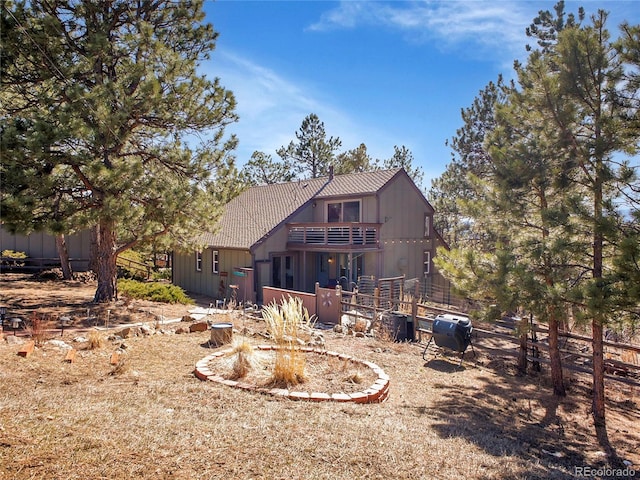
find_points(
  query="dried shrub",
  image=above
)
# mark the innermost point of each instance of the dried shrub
(243, 359)
(121, 367)
(96, 340)
(37, 328)
(355, 377)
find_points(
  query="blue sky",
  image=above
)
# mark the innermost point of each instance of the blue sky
(379, 73)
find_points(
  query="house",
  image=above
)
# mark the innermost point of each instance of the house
(41, 251)
(331, 230)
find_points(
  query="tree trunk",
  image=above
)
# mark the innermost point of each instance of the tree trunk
(93, 249)
(107, 272)
(598, 373)
(63, 254)
(523, 328)
(555, 359)
(599, 316)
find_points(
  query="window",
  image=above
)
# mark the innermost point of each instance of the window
(427, 225)
(343, 212)
(427, 262)
(215, 261)
(334, 212)
(351, 211)
(198, 261)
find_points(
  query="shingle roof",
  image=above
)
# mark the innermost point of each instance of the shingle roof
(357, 183)
(258, 210)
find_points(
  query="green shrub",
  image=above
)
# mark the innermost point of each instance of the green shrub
(161, 274)
(14, 255)
(152, 291)
(13, 258)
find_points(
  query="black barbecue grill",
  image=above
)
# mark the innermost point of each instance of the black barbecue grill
(452, 332)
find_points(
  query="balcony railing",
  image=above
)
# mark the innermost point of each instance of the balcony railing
(338, 235)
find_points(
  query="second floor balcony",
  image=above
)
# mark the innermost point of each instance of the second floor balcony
(349, 236)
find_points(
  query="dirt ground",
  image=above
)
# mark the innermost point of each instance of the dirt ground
(24, 296)
(151, 418)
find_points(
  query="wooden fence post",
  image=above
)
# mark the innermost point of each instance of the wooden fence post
(376, 297)
(414, 309)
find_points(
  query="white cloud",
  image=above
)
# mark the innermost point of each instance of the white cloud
(475, 26)
(271, 108)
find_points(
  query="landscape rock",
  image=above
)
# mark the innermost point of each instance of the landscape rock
(59, 344)
(316, 340)
(129, 332)
(361, 325)
(199, 327)
(80, 339)
(188, 318)
(351, 321)
(14, 340)
(147, 329)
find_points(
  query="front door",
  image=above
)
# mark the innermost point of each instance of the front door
(322, 267)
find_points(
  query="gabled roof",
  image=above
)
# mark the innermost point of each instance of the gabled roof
(256, 212)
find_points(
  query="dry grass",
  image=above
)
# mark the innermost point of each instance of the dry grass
(96, 340)
(156, 420)
(241, 361)
(285, 323)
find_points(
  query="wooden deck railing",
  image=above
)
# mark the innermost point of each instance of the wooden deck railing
(341, 235)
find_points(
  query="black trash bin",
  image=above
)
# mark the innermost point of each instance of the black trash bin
(399, 325)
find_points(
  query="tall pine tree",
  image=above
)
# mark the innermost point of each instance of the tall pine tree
(108, 124)
(313, 153)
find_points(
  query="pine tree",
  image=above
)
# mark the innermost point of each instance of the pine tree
(531, 194)
(597, 130)
(261, 169)
(109, 124)
(470, 160)
(552, 202)
(313, 153)
(355, 160)
(403, 158)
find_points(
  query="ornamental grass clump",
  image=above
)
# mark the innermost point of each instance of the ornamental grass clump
(286, 323)
(242, 359)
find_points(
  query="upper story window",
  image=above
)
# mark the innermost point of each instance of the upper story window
(198, 261)
(427, 262)
(343, 211)
(427, 225)
(215, 261)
